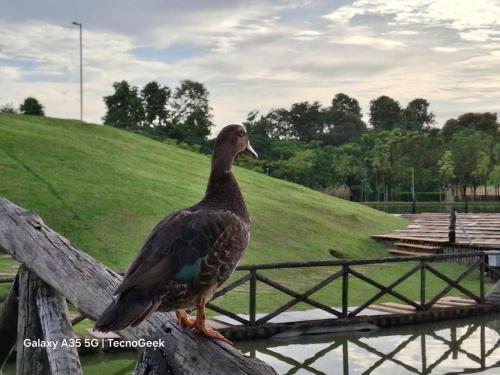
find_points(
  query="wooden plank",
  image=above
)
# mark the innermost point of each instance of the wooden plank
(482, 229)
(387, 309)
(417, 246)
(8, 325)
(459, 299)
(56, 327)
(399, 306)
(454, 304)
(30, 360)
(89, 286)
(408, 253)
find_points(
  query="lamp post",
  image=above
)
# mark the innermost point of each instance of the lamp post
(81, 71)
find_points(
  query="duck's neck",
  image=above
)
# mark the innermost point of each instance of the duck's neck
(222, 188)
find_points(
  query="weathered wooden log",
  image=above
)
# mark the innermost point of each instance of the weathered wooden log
(56, 327)
(8, 324)
(31, 358)
(151, 363)
(89, 286)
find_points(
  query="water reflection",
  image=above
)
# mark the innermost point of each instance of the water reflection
(456, 347)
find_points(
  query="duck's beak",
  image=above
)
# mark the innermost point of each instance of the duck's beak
(250, 152)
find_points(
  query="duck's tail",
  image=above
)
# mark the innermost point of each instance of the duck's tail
(128, 309)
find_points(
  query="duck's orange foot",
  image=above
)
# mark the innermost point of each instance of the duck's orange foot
(205, 330)
(184, 320)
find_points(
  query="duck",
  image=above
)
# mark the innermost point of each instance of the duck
(191, 252)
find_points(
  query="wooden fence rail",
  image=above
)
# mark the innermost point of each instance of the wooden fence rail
(347, 272)
(89, 286)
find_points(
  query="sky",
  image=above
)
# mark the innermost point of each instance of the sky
(254, 55)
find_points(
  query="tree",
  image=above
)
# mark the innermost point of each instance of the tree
(446, 169)
(343, 123)
(416, 115)
(380, 161)
(494, 178)
(343, 105)
(467, 147)
(481, 172)
(385, 113)
(348, 130)
(124, 107)
(154, 100)
(298, 169)
(351, 169)
(192, 118)
(484, 122)
(32, 106)
(278, 124)
(306, 121)
(8, 108)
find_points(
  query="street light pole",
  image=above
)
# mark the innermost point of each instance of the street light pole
(81, 71)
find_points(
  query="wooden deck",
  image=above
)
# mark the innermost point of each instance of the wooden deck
(432, 228)
(387, 314)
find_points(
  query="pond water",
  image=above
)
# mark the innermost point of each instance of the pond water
(453, 347)
(406, 207)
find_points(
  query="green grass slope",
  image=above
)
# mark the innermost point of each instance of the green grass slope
(105, 189)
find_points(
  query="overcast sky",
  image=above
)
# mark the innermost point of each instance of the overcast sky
(255, 54)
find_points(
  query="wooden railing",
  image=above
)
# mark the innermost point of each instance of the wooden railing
(254, 273)
(52, 271)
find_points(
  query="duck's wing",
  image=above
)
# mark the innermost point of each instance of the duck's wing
(175, 248)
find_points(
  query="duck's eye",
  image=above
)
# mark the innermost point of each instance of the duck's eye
(241, 133)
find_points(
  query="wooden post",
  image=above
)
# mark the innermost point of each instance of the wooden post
(423, 353)
(481, 277)
(56, 327)
(482, 337)
(253, 297)
(453, 342)
(89, 286)
(345, 357)
(422, 285)
(452, 227)
(345, 290)
(8, 324)
(30, 360)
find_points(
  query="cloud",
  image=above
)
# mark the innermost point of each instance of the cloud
(255, 54)
(375, 42)
(475, 20)
(445, 49)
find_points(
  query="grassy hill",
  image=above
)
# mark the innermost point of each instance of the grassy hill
(105, 189)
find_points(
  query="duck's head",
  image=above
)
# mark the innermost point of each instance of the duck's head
(234, 139)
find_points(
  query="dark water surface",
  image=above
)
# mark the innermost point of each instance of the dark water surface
(453, 347)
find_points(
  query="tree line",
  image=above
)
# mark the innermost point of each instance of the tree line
(158, 111)
(331, 148)
(30, 106)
